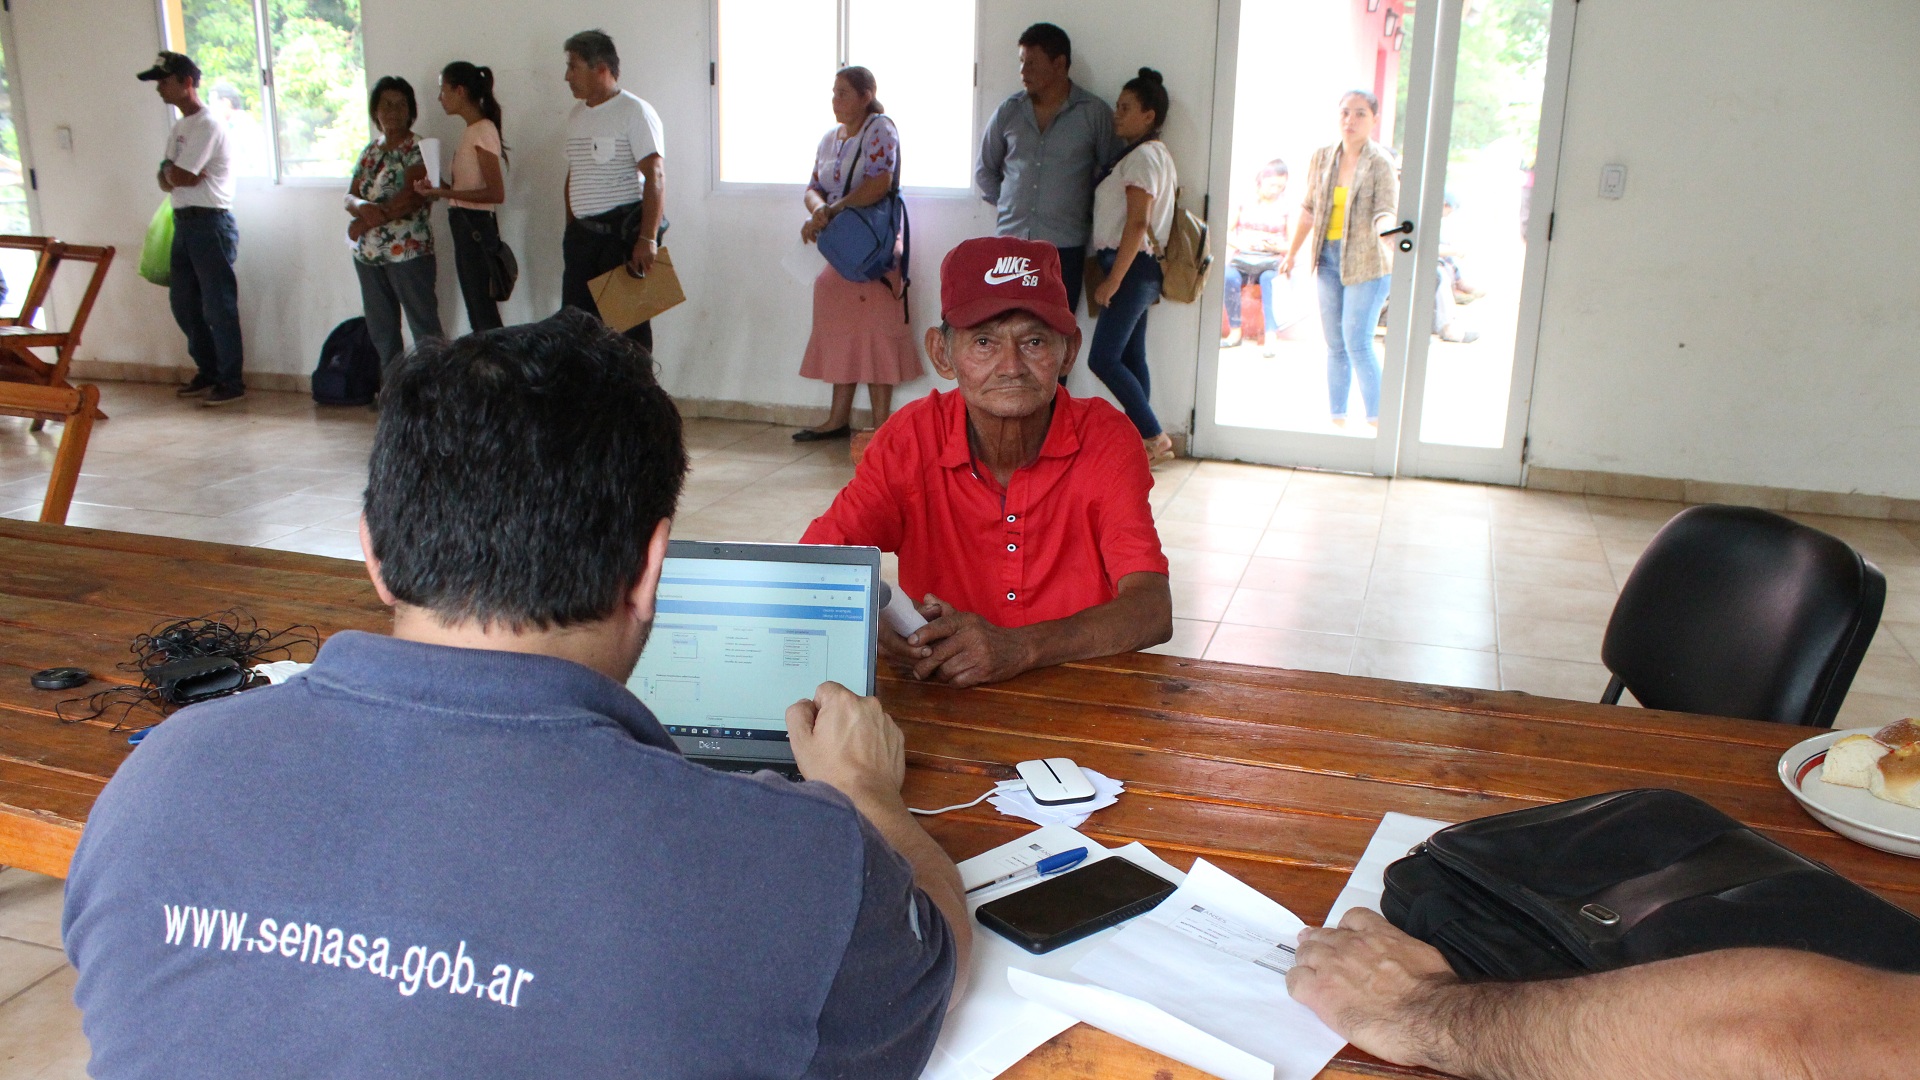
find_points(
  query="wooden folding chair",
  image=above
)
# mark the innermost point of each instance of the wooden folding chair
(46, 261)
(75, 408)
(17, 342)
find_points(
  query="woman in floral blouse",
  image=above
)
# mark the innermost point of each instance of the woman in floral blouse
(392, 231)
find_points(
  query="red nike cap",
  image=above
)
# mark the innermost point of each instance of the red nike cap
(992, 275)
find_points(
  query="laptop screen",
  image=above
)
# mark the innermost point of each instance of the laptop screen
(737, 640)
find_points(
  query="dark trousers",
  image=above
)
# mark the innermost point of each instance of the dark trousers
(586, 254)
(475, 234)
(387, 290)
(1073, 270)
(204, 294)
(1118, 354)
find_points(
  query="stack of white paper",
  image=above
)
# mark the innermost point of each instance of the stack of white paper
(1016, 802)
(1201, 979)
(993, 1027)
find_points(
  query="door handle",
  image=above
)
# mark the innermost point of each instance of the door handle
(1404, 227)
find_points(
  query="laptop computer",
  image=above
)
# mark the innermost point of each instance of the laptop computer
(741, 631)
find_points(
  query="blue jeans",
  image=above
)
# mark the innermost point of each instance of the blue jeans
(1348, 314)
(1119, 351)
(1235, 281)
(204, 294)
(386, 290)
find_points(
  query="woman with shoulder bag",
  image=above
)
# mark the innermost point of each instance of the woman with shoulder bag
(391, 230)
(479, 184)
(1132, 217)
(860, 334)
(1353, 191)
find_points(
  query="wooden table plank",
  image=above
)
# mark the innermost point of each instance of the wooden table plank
(1277, 777)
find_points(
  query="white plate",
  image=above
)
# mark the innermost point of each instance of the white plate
(1852, 812)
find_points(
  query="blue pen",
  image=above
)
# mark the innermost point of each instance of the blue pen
(1052, 864)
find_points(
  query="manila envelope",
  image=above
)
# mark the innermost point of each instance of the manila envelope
(626, 301)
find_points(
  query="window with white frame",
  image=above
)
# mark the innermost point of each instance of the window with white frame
(773, 77)
(302, 112)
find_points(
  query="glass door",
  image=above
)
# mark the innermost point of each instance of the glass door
(1270, 379)
(1494, 135)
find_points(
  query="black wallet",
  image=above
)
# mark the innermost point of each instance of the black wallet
(1626, 878)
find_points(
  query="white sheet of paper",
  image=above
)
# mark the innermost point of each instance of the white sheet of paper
(1207, 970)
(803, 261)
(430, 157)
(1396, 835)
(1141, 1024)
(900, 615)
(993, 1027)
(1017, 802)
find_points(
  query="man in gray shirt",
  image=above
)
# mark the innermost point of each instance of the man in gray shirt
(1041, 152)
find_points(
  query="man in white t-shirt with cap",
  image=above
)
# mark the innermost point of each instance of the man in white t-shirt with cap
(614, 177)
(197, 174)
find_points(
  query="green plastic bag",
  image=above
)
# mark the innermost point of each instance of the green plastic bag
(156, 256)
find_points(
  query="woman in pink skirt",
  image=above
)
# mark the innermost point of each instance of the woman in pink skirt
(860, 331)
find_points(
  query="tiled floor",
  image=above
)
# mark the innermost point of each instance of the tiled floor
(1434, 582)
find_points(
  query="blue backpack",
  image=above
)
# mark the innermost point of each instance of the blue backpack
(349, 371)
(859, 242)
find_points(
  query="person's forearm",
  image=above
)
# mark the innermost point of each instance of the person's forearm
(650, 208)
(1300, 230)
(1140, 617)
(1734, 1014)
(1131, 238)
(815, 199)
(933, 870)
(990, 173)
(178, 177)
(473, 195)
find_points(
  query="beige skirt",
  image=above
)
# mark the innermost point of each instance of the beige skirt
(860, 334)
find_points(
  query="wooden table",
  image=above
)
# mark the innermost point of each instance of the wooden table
(1278, 777)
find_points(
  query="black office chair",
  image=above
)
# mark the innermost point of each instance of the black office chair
(1740, 612)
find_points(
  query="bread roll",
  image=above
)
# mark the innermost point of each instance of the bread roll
(1898, 734)
(1896, 776)
(1850, 762)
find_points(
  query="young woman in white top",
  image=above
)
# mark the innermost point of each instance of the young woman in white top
(479, 184)
(1132, 217)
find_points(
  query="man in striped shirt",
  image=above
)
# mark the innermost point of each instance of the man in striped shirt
(614, 176)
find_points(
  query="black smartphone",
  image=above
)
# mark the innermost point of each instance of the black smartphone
(1064, 909)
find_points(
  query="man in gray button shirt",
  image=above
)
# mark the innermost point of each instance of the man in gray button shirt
(1041, 151)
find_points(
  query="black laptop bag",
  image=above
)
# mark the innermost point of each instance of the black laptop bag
(1625, 878)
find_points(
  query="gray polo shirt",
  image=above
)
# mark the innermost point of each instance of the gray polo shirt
(1042, 182)
(425, 861)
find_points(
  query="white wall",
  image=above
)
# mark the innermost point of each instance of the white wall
(742, 332)
(1769, 222)
(1749, 312)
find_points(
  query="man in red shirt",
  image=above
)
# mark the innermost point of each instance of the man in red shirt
(1019, 512)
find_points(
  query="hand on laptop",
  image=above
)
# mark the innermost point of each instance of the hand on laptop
(848, 741)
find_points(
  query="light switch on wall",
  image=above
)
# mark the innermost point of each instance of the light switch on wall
(1613, 181)
(63, 137)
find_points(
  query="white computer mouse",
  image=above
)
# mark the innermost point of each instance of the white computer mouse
(1055, 780)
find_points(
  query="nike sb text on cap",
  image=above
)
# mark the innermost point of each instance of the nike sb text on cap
(992, 275)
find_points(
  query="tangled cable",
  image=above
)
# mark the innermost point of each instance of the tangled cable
(231, 634)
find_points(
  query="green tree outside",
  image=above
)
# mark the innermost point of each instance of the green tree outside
(1503, 51)
(318, 66)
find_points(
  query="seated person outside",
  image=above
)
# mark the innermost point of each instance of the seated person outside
(1737, 1014)
(1019, 512)
(466, 849)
